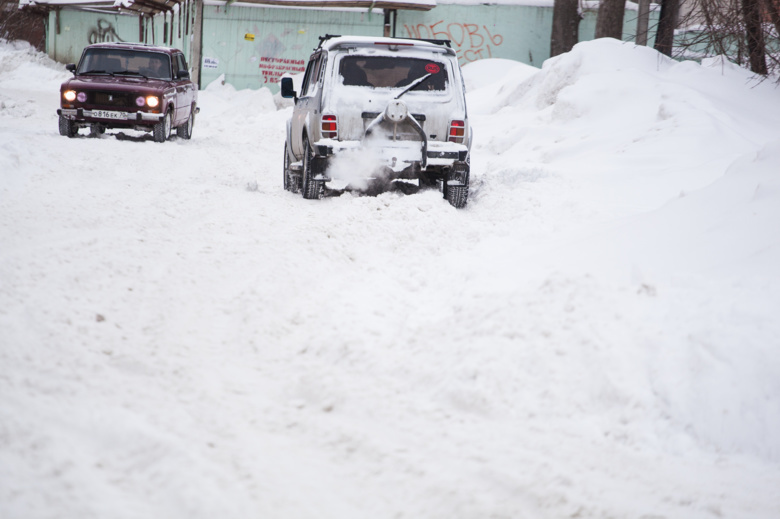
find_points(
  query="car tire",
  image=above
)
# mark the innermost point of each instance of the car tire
(457, 195)
(68, 128)
(292, 183)
(185, 130)
(312, 189)
(162, 130)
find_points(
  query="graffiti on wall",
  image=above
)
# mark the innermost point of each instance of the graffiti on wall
(103, 32)
(471, 41)
(272, 65)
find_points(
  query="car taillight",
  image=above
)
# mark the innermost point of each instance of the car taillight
(457, 131)
(330, 128)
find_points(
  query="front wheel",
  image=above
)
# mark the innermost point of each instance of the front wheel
(312, 189)
(185, 130)
(68, 128)
(162, 130)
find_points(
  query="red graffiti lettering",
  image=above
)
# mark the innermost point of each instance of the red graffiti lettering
(473, 35)
(497, 39)
(470, 41)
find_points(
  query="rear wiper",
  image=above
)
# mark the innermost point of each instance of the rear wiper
(414, 84)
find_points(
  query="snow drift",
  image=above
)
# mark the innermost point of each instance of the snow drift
(595, 335)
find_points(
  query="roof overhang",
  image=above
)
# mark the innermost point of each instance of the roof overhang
(154, 7)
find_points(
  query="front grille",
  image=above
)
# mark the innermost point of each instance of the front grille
(118, 99)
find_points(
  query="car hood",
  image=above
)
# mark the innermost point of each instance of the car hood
(117, 83)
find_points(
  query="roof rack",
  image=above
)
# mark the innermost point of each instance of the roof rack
(444, 43)
(325, 38)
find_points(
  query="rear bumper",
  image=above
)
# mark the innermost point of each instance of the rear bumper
(81, 115)
(437, 153)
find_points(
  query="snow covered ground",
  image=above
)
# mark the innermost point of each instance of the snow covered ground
(595, 336)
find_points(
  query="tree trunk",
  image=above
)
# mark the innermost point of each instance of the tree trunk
(755, 36)
(609, 23)
(667, 23)
(565, 27)
(772, 7)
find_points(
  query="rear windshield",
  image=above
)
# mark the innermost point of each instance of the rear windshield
(118, 61)
(392, 72)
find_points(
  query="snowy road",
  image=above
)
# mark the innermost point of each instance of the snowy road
(595, 335)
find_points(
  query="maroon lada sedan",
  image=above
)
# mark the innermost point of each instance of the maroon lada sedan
(129, 85)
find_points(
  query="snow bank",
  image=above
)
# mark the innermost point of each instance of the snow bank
(595, 335)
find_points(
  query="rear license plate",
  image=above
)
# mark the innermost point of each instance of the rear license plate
(105, 114)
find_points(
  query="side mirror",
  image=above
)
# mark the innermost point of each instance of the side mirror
(71, 67)
(287, 87)
(184, 74)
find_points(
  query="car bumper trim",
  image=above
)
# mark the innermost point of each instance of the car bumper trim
(80, 114)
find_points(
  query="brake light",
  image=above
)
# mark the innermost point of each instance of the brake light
(330, 128)
(457, 131)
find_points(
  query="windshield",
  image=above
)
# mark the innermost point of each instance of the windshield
(154, 65)
(392, 72)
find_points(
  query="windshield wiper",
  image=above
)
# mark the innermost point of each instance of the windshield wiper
(131, 73)
(98, 72)
(414, 84)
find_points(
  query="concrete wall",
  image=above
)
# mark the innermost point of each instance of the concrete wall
(253, 46)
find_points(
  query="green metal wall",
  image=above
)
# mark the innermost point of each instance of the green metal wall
(517, 32)
(253, 46)
(67, 36)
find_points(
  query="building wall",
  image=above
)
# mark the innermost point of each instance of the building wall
(69, 31)
(251, 47)
(254, 46)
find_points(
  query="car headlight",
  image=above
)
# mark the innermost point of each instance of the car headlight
(153, 101)
(69, 95)
(82, 97)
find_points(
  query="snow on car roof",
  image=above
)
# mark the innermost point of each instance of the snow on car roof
(389, 45)
(132, 46)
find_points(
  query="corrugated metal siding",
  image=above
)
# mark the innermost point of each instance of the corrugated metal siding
(521, 33)
(253, 47)
(77, 29)
(517, 32)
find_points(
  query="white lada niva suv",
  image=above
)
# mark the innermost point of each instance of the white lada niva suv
(382, 109)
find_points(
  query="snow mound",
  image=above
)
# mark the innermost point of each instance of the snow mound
(20, 61)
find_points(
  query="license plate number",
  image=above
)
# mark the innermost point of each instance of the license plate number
(105, 114)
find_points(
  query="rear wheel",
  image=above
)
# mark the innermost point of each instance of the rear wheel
(162, 130)
(457, 196)
(292, 182)
(456, 185)
(312, 189)
(185, 130)
(68, 128)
